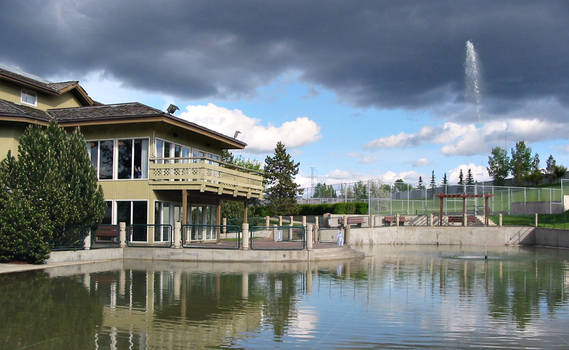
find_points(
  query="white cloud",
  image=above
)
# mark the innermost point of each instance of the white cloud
(470, 139)
(479, 173)
(421, 162)
(362, 158)
(339, 176)
(259, 138)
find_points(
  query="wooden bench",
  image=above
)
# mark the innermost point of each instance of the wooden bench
(389, 220)
(106, 233)
(352, 220)
(458, 219)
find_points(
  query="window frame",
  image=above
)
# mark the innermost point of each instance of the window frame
(30, 93)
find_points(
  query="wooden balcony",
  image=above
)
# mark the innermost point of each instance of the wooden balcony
(205, 175)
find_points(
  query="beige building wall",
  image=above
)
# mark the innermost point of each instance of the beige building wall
(9, 135)
(12, 92)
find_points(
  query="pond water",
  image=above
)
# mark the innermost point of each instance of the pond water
(402, 297)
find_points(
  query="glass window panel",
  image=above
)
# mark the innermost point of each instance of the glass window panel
(123, 212)
(167, 151)
(139, 217)
(140, 159)
(125, 159)
(106, 159)
(107, 219)
(93, 149)
(177, 152)
(159, 150)
(185, 154)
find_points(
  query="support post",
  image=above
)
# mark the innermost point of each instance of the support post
(267, 222)
(348, 235)
(291, 224)
(441, 211)
(536, 219)
(431, 220)
(218, 221)
(304, 221)
(397, 220)
(177, 235)
(464, 222)
(245, 219)
(280, 220)
(371, 223)
(486, 210)
(309, 234)
(184, 207)
(224, 223)
(500, 219)
(122, 234)
(245, 238)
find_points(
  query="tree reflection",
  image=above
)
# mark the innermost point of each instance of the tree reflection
(41, 313)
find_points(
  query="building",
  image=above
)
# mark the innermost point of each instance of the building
(155, 169)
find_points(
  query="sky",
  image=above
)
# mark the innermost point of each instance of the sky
(355, 90)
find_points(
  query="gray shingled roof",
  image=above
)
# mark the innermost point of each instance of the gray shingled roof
(11, 109)
(41, 84)
(112, 111)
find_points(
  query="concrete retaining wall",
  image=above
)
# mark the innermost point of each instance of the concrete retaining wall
(550, 237)
(421, 235)
(85, 255)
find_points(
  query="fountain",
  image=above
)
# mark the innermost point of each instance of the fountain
(472, 77)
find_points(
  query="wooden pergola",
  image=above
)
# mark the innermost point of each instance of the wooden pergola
(442, 196)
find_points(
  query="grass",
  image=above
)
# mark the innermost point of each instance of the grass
(559, 221)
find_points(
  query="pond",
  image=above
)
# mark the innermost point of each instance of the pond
(401, 297)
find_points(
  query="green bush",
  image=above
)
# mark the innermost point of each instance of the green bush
(336, 208)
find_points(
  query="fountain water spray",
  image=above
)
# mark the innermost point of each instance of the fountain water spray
(472, 76)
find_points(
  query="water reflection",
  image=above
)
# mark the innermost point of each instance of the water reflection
(401, 297)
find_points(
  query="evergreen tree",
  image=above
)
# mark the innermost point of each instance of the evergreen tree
(54, 180)
(445, 181)
(469, 177)
(521, 162)
(401, 186)
(281, 191)
(460, 178)
(321, 190)
(550, 168)
(535, 176)
(499, 166)
(433, 183)
(420, 185)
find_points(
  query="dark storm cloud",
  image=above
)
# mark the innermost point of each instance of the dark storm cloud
(385, 54)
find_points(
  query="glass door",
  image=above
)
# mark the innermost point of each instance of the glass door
(162, 216)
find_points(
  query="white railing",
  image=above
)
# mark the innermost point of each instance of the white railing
(209, 174)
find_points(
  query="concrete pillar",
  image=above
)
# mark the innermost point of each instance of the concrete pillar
(348, 236)
(500, 219)
(304, 221)
(280, 220)
(345, 218)
(317, 221)
(224, 223)
(245, 238)
(371, 223)
(309, 235)
(536, 219)
(397, 220)
(122, 234)
(244, 285)
(431, 220)
(291, 224)
(87, 241)
(177, 235)
(267, 222)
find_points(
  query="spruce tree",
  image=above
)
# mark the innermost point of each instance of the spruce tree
(551, 163)
(281, 191)
(469, 177)
(420, 185)
(445, 181)
(460, 178)
(55, 181)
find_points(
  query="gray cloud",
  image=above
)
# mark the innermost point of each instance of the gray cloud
(371, 53)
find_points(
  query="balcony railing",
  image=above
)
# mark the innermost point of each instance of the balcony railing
(206, 175)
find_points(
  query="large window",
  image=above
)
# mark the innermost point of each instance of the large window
(135, 214)
(101, 154)
(132, 158)
(29, 97)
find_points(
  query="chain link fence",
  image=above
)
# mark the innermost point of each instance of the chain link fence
(401, 198)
